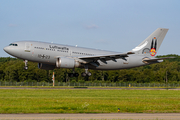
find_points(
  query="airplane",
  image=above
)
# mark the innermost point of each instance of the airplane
(50, 56)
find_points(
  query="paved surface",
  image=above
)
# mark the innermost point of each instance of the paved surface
(107, 88)
(128, 116)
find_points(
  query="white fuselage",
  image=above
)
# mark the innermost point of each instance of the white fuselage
(48, 53)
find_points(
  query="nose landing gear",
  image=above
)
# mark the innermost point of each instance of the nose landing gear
(26, 64)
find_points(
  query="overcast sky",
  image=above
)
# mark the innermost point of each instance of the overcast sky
(115, 25)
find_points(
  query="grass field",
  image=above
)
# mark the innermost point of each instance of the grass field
(89, 101)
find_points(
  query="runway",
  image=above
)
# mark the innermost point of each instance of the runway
(115, 116)
(101, 88)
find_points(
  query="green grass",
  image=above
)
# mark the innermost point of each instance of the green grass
(89, 101)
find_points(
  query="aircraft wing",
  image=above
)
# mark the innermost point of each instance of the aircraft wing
(106, 57)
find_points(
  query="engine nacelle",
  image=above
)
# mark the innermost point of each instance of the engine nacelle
(46, 66)
(64, 62)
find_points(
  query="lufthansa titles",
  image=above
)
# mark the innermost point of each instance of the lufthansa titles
(57, 47)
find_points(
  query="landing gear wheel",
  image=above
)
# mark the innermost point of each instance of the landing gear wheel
(73, 74)
(70, 74)
(89, 74)
(83, 74)
(26, 67)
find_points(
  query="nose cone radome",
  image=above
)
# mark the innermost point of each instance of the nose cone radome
(6, 49)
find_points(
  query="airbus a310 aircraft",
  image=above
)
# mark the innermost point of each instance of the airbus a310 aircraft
(50, 56)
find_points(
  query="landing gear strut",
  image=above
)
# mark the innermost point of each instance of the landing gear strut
(26, 64)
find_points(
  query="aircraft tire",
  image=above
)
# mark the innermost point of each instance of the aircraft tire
(26, 67)
(83, 74)
(70, 75)
(75, 74)
(89, 74)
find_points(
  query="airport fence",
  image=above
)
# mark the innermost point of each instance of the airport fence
(89, 84)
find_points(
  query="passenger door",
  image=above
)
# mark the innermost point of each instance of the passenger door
(27, 47)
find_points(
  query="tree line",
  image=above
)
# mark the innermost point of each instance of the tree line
(12, 69)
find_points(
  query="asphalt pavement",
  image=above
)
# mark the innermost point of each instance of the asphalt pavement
(105, 88)
(104, 116)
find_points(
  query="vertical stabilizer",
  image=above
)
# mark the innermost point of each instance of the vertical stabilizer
(151, 44)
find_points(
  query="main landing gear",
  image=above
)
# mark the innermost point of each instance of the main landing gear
(26, 64)
(73, 74)
(84, 74)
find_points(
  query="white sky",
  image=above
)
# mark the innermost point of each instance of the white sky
(115, 25)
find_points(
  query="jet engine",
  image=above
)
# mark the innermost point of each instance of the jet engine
(46, 66)
(64, 62)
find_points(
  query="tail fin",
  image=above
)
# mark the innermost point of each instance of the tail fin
(151, 44)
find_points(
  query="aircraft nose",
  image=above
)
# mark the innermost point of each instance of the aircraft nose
(6, 49)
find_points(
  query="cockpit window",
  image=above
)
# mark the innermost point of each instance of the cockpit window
(13, 44)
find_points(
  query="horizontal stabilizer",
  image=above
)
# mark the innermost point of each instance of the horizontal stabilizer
(156, 59)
